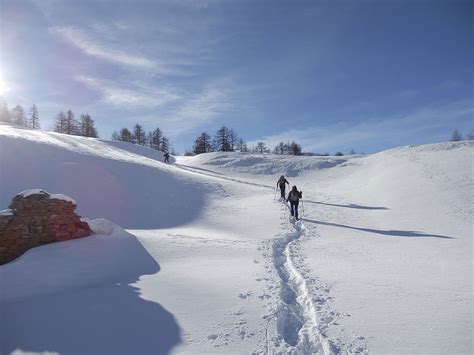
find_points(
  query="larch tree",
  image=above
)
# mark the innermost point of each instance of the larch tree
(87, 126)
(125, 135)
(18, 116)
(70, 126)
(60, 123)
(34, 117)
(456, 136)
(139, 135)
(221, 140)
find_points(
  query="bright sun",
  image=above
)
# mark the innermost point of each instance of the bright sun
(3, 87)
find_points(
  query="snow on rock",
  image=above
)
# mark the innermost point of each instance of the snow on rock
(100, 226)
(30, 192)
(62, 197)
(6, 212)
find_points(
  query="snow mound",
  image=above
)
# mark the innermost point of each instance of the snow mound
(266, 164)
(121, 182)
(100, 226)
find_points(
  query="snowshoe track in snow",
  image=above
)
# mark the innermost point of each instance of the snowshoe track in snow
(297, 321)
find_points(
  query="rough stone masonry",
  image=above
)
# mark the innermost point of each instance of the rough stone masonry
(35, 218)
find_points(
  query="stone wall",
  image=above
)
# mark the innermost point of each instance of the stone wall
(38, 218)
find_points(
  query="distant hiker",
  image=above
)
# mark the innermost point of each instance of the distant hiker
(167, 157)
(294, 199)
(281, 183)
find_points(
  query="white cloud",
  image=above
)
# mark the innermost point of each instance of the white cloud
(81, 40)
(141, 95)
(199, 109)
(394, 129)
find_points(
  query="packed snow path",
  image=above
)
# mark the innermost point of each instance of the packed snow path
(297, 327)
(210, 262)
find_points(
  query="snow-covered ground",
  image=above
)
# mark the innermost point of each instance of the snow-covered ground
(209, 262)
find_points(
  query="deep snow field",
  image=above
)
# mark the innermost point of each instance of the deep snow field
(201, 256)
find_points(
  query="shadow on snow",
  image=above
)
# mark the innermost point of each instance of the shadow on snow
(92, 314)
(347, 206)
(391, 232)
(131, 194)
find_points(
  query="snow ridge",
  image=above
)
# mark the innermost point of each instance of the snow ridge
(297, 321)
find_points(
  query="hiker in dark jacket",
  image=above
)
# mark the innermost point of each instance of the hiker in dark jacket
(294, 199)
(281, 183)
(167, 157)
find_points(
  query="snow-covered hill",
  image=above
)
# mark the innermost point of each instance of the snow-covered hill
(210, 262)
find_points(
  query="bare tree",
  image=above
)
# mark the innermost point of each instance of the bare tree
(4, 112)
(261, 148)
(18, 116)
(470, 135)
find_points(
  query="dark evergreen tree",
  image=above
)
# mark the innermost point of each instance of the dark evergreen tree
(87, 126)
(149, 139)
(202, 144)
(165, 144)
(125, 135)
(156, 139)
(139, 135)
(70, 126)
(456, 136)
(221, 140)
(34, 117)
(60, 123)
(261, 148)
(232, 139)
(295, 148)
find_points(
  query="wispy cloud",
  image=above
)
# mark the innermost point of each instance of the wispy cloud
(136, 95)
(396, 129)
(180, 111)
(81, 40)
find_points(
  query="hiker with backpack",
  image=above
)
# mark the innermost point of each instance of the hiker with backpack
(281, 183)
(294, 199)
(167, 157)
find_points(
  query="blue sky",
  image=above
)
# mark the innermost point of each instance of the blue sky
(331, 75)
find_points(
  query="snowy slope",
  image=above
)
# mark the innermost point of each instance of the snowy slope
(210, 263)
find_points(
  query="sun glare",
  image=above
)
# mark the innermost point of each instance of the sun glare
(3, 88)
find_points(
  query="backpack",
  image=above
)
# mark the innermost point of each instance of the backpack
(295, 195)
(281, 182)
